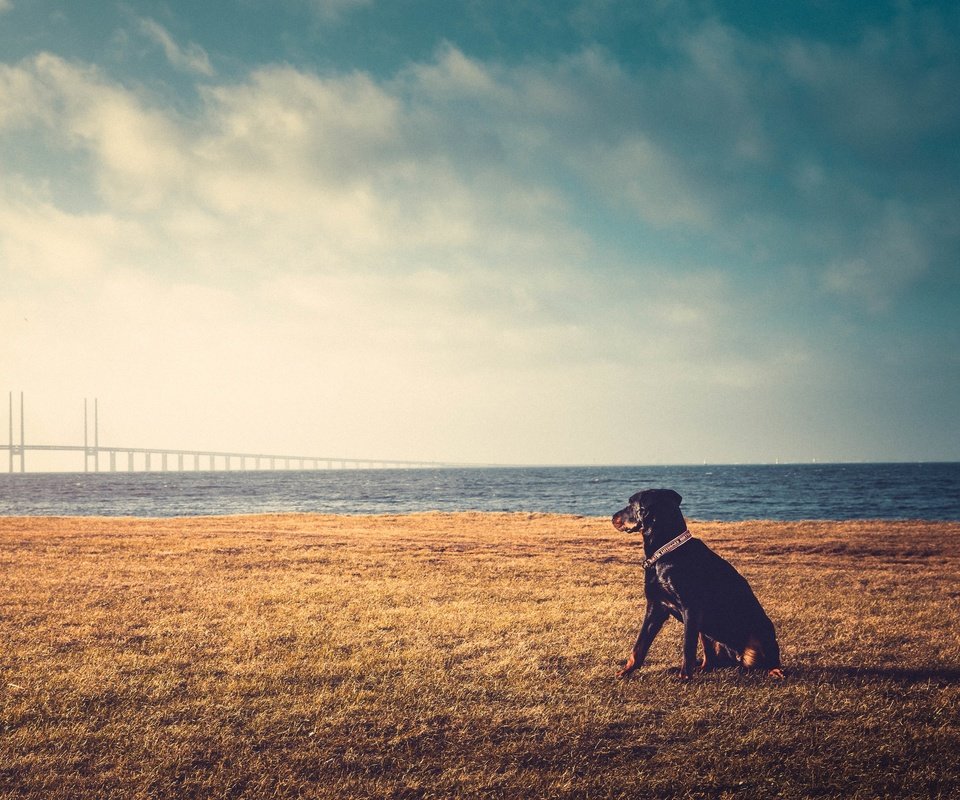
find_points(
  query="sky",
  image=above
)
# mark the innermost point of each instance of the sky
(525, 232)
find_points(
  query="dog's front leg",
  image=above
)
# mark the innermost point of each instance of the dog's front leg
(691, 636)
(653, 621)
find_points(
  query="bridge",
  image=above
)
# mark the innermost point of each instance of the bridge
(167, 459)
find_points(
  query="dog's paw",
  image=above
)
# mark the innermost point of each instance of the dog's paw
(776, 673)
(629, 667)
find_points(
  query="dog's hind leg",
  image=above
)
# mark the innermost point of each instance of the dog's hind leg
(763, 651)
(653, 621)
(715, 655)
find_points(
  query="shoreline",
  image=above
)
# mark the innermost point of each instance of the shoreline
(491, 515)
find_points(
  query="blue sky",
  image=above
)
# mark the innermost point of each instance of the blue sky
(525, 232)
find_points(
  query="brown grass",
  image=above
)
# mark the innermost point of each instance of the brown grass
(466, 655)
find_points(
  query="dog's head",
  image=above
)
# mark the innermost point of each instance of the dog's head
(650, 510)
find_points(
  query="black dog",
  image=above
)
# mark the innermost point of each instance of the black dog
(687, 580)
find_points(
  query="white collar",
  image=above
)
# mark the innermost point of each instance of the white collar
(669, 547)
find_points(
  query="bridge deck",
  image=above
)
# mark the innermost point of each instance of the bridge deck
(92, 453)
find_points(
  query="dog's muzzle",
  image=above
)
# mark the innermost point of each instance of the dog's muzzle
(624, 522)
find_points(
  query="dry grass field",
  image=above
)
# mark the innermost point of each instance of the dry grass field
(466, 655)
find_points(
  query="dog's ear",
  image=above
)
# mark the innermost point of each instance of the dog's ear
(652, 498)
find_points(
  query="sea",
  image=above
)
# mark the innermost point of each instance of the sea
(924, 491)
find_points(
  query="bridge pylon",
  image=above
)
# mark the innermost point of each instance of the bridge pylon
(13, 449)
(91, 452)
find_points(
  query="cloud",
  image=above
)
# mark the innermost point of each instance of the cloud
(885, 93)
(893, 255)
(6, 5)
(470, 154)
(449, 164)
(293, 172)
(26, 100)
(333, 10)
(192, 58)
(61, 246)
(648, 181)
(136, 152)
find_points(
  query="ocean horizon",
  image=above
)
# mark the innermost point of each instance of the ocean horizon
(726, 492)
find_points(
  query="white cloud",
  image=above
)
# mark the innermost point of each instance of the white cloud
(191, 58)
(137, 152)
(25, 99)
(41, 242)
(454, 76)
(891, 256)
(646, 179)
(332, 10)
